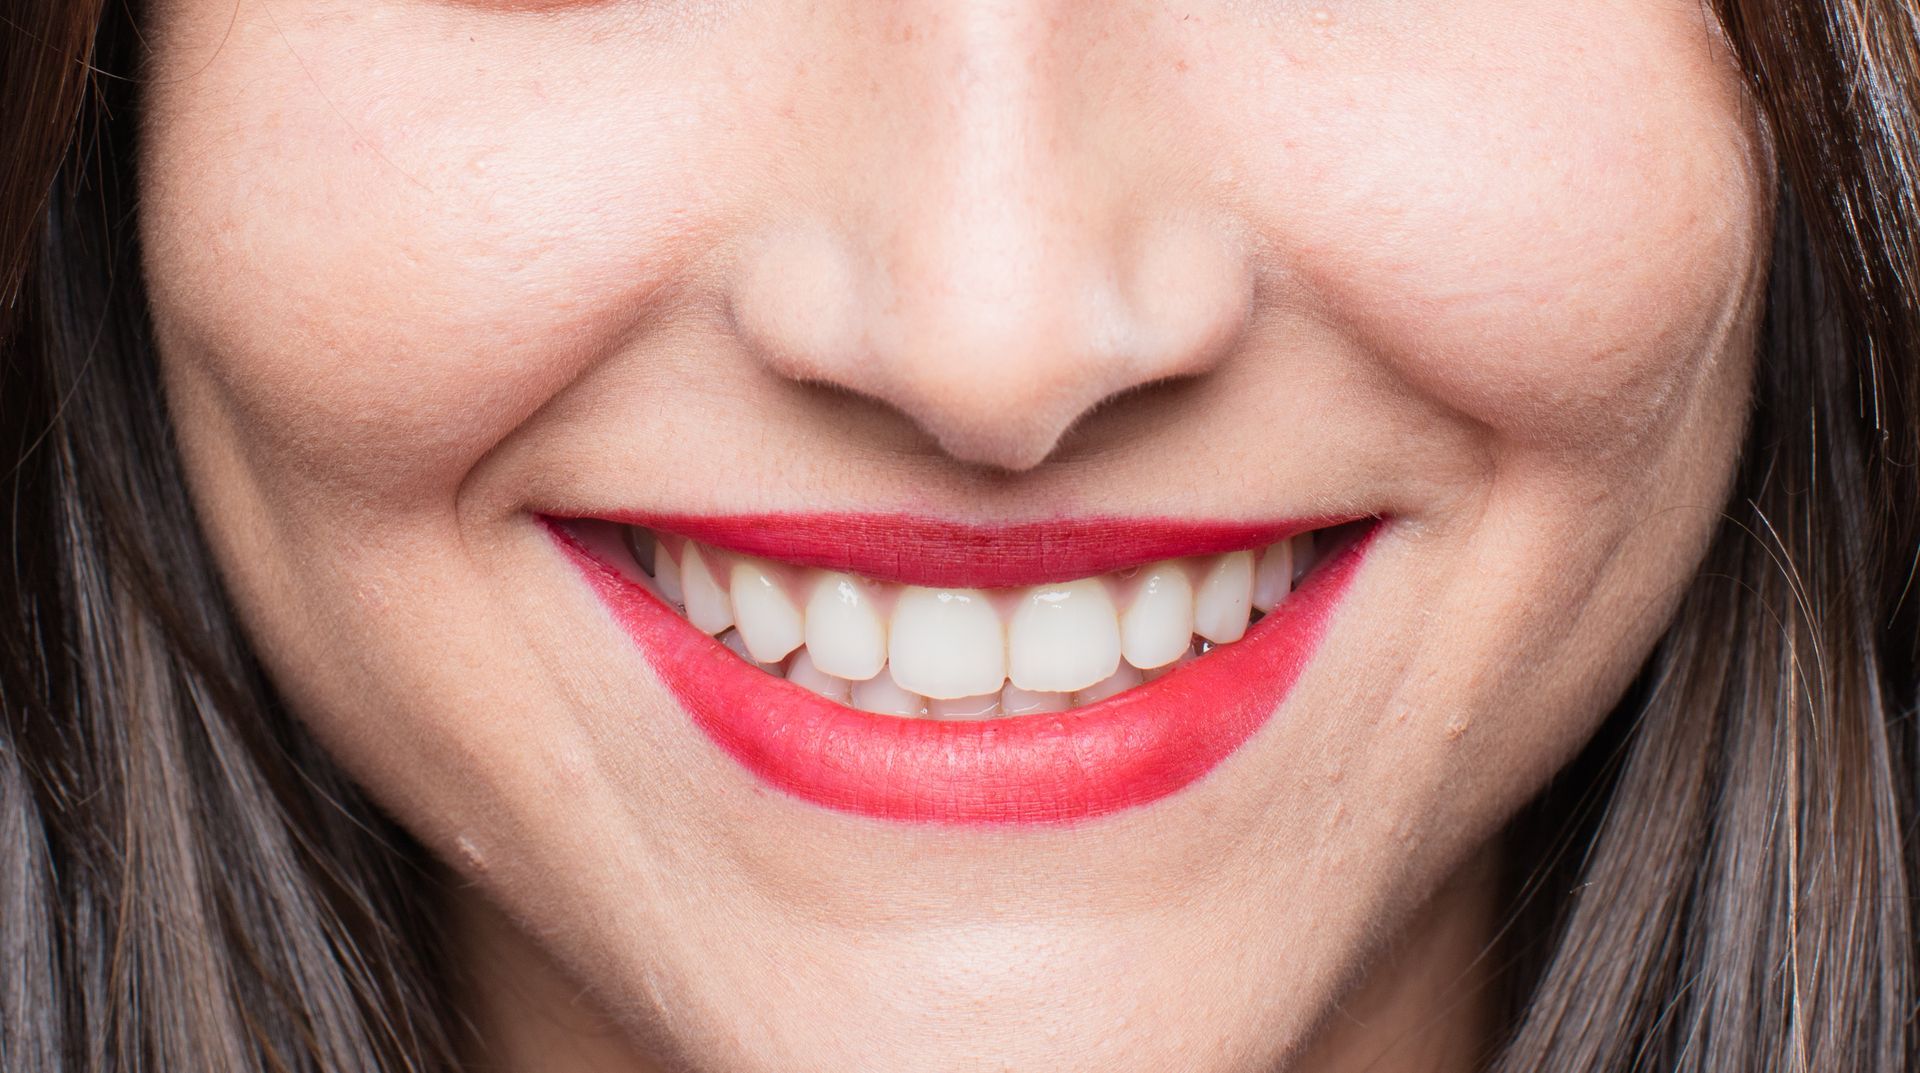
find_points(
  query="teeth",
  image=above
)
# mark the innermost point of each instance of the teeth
(945, 643)
(765, 616)
(1017, 701)
(912, 651)
(983, 707)
(1064, 637)
(1159, 623)
(708, 607)
(1225, 599)
(640, 544)
(880, 694)
(1304, 555)
(802, 672)
(1274, 577)
(845, 633)
(1124, 678)
(738, 647)
(666, 574)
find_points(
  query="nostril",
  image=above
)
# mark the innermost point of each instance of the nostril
(995, 370)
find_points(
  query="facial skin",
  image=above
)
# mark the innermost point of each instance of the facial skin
(422, 269)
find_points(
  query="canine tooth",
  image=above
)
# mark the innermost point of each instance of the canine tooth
(1017, 701)
(1064, 637)
(845, 634)
(1225, 599)
(666, 574)
(945, 643)
(1159, 623)
(802, 672)
(707, 605)
(880, 694)
(1126, 677)
(763, 613)
(982, 707)
(738, 646)
(1274, 576)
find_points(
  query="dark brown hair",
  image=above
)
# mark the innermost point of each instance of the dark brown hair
(1723, 882)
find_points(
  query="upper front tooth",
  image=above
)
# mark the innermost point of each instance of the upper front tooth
(1225, 599)
(1159, 623)
(1274, 577)
(767, 619)
(845, 634)
(707, 605)
(1063, 637)
(946, 643)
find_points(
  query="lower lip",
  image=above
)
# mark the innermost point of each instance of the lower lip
(1044, 768)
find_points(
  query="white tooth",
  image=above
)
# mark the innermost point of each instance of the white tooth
(946, 643)
(984, 707)
(766, 617)
(1017, 701)
(1063, 637)
(707, 605)
(1274, 577)
(802, 672)
(738, 647)
(666, 574)
(845, 633)
(880, 694)
(1225, 598)
(1159, 623)
(1124, 678)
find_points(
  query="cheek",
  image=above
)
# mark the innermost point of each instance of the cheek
(379, 250)
(1552, 240)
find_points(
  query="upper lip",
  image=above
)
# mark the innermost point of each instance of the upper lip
(937, 552)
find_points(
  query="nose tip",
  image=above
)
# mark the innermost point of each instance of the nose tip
(995, 354)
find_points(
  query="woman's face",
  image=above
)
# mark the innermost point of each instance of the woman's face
(433, 280)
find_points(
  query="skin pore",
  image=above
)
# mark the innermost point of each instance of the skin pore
(423, 270)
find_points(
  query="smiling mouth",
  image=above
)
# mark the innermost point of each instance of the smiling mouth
(917, 669)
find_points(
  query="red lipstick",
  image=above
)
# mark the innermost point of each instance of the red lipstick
(1043, 768)
(939, 553)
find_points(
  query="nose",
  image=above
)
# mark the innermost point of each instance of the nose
(1005, 258)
